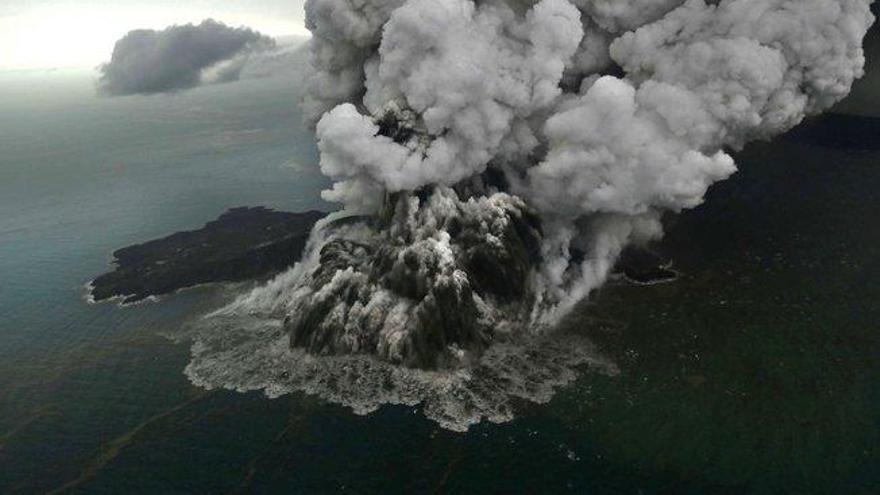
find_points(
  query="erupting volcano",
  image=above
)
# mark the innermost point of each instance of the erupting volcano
(492, 160)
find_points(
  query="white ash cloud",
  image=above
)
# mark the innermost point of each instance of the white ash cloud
(482, 82)
(146, 61)
(863, 98)
(473, 87)
(701, 79)
(344, 34)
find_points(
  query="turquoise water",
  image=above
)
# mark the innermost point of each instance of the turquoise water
(757, 372)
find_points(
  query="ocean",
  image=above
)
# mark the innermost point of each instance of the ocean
(757, 372)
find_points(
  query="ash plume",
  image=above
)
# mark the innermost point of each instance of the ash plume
(146, 61)
(495, 157)
(481, 83)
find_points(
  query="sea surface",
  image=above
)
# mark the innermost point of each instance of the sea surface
(757, 372)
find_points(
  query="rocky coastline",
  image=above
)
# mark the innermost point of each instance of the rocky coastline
(242, 244)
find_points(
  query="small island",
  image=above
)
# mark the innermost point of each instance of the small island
(242, 244)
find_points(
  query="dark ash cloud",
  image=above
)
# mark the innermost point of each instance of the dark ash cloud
(146, 61)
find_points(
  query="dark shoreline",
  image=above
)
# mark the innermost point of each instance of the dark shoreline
(242, 244)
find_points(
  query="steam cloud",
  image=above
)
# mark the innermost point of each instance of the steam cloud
(507, 151)
(179, 57)
(484, 85)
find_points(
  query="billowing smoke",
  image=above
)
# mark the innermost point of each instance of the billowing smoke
(147, 61)
(501, 154)
(479, 86)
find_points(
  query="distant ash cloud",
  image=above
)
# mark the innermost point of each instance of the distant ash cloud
(146, 61)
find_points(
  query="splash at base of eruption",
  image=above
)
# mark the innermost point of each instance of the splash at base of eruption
(246, 353)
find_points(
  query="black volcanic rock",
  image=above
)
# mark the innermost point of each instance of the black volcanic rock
(429, 282)
(241, 244)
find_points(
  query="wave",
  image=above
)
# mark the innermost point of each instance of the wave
(247, 352)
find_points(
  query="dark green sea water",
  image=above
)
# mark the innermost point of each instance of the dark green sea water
(755, 373)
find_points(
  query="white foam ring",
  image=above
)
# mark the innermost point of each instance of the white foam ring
(246, 353)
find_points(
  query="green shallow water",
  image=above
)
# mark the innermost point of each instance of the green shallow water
(755, 373)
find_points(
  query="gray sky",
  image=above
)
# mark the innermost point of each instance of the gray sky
(81, 33)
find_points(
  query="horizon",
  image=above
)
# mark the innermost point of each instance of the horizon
(32, 32)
